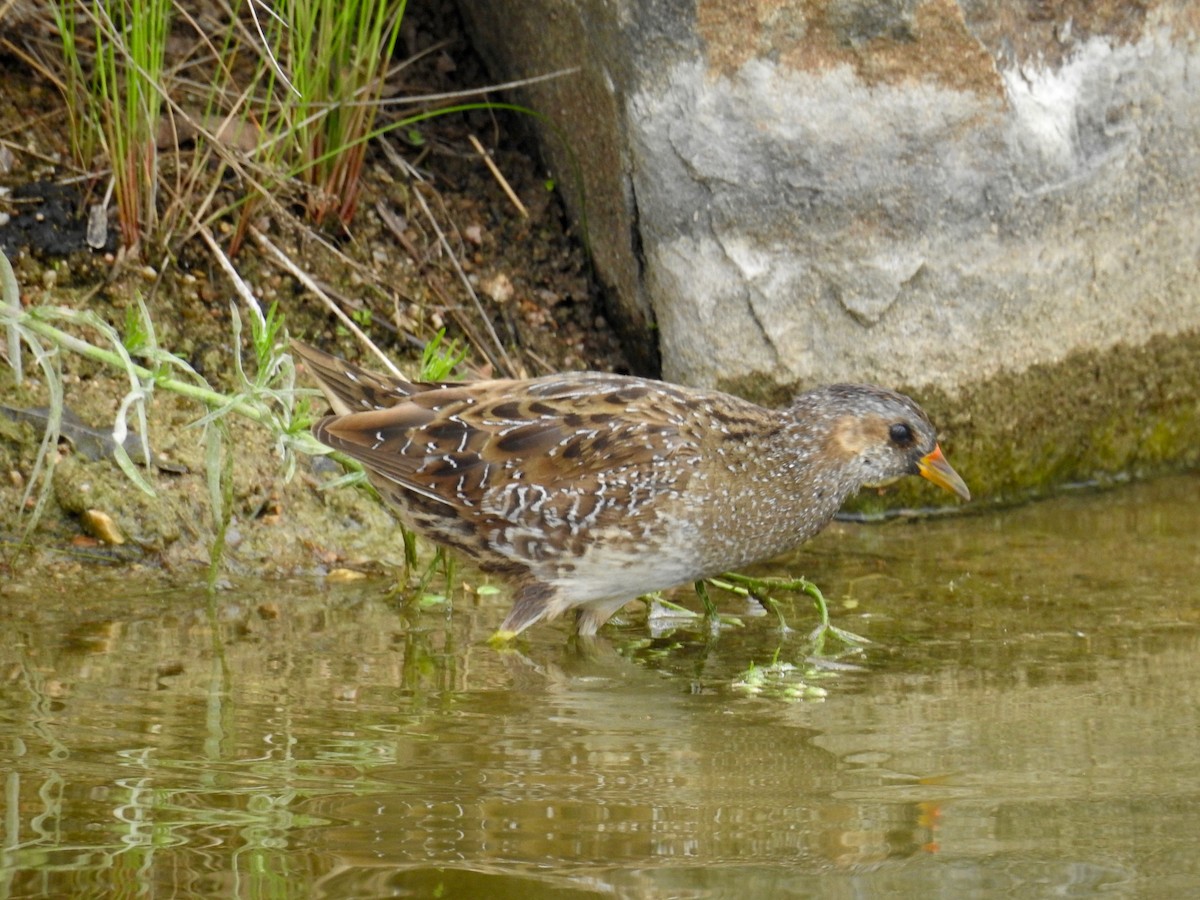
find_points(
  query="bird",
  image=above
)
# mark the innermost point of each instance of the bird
(586, 490)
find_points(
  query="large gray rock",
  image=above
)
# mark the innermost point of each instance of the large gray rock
(945, 197)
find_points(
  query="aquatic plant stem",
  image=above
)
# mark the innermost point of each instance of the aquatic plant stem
(31, 321)
(10, 295)
(34, 320)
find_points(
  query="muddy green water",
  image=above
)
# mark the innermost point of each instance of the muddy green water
(1025, 724)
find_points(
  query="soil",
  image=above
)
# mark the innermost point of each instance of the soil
(538, 311)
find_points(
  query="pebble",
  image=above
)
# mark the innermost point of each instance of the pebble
(100, 525)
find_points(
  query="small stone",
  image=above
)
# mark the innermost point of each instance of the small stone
(97, 226)
(499, 287)
(100, 525)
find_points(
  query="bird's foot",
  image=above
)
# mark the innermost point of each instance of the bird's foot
(761, 589)
(502, 639)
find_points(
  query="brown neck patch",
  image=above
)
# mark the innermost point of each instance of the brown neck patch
(851, 435)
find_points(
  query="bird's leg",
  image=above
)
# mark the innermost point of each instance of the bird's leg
(762, 598)
(530, 604)
(824, 626)
(656, 599)
(714, 619)
(710, 608)
(772, 604)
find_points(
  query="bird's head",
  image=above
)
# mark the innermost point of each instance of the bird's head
(878, 435)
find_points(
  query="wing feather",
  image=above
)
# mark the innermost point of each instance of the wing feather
(465, 443)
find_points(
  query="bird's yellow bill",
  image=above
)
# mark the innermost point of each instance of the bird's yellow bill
(933, 466)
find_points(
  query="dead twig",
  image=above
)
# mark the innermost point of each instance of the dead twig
(285, 262)
(500, 179)
(505, 362)
(501, 359)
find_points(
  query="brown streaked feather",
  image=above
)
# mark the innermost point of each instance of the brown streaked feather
(465, 443)
(351, 389)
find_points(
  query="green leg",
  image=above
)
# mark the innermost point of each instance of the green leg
(772, 605)
(710, 608)
(761, 589)
(825, 627)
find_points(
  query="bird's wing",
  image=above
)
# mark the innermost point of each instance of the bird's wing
(475, 445)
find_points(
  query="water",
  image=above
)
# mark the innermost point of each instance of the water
(1025, 724)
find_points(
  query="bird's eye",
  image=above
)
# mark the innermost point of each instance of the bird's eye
(900, 434)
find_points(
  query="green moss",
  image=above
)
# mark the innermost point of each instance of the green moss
(759, 387)
(1093, 417)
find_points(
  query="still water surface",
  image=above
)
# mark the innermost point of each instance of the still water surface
(1026, 723)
